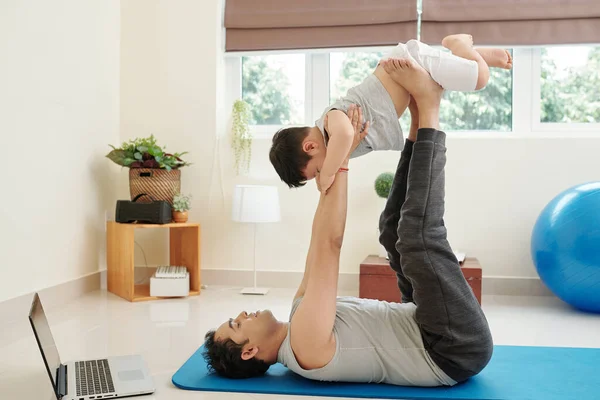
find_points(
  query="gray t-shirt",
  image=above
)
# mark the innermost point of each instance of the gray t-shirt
(377, 105)
(376, 342)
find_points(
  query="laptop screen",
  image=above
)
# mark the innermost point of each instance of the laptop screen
(41, 328)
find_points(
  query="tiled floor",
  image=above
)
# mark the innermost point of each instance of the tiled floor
(167, 332)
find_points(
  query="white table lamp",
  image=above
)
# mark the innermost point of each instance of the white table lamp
(255, 204)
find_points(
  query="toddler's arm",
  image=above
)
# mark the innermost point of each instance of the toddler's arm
(350, 133)
(341, 136)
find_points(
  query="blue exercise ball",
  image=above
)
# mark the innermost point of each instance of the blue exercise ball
(565, 246)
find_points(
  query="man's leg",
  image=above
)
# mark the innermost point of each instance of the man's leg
(388, 221)
(453, 326)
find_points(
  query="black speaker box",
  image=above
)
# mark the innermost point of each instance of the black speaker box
(154, 212)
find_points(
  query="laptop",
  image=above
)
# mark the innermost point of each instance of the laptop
(109, 378)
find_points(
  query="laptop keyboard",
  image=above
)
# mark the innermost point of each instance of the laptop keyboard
(93, 377)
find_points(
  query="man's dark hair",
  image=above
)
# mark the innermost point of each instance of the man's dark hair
(287, 155)
(225, 358)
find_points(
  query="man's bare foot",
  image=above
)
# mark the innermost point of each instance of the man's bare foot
(497, 58)
(461, 39)
(414, 110)
(414, 120)
(415, 80)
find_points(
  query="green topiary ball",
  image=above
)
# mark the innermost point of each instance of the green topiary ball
(383, 184)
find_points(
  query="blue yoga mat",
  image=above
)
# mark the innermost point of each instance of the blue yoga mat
(514, 373)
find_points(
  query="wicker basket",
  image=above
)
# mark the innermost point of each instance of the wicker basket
(159, 184)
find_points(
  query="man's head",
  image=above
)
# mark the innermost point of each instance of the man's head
(297, 154)
(244, 346)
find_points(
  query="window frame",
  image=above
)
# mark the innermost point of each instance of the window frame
(526, 100)
(557, 128)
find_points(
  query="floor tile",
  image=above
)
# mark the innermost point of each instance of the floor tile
(167, 332)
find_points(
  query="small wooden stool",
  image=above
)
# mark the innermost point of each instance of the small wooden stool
(378, 279)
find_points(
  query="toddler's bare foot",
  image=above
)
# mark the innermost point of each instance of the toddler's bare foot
(452, 41)
(497, 58)
(415, 80)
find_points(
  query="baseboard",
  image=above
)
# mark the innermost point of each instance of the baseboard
(348, 282)
(17, 308)
(271, 279)
(514, 286)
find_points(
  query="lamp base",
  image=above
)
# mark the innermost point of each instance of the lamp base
(253, 290)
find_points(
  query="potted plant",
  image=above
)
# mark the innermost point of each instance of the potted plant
(181, 206)
(152, 171)
(383, 185)
(241, 138)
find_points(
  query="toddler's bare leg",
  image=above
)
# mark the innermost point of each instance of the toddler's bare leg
(461, 45)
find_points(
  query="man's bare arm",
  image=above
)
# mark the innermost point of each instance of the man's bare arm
(321, 231)
(309, 262)
(312, 324)
(355, 117)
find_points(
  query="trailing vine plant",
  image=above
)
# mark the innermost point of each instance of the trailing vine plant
(241, 138)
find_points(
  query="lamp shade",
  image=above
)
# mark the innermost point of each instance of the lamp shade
(254, 203)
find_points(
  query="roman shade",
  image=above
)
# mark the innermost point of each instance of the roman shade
(311, 24)
(513, 22)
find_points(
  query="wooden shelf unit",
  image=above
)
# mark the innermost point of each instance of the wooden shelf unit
(184, 249)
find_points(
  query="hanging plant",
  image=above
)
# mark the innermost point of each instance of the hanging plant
(241, 139)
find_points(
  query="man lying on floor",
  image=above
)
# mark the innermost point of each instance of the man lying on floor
(438, 336)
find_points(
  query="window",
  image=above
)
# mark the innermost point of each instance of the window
(570, 84)
(274, 88)
(347, 70)
(488, 109)
(549, 91)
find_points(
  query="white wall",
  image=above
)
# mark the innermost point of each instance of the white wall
(59, 110)
(69, 88)
(173, 85)
(169, 64)
(495, 189)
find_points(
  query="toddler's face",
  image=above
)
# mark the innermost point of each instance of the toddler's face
(312, 168)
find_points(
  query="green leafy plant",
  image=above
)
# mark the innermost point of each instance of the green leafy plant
(181, 202)
(145, 153)
(383, 184)
(241, 138)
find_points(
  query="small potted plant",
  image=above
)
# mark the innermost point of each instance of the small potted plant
(152, 170)
(181, 206)
(383, 185)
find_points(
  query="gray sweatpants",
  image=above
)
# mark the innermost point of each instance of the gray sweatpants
(454, 329)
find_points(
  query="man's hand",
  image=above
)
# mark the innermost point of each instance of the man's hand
(324, 182)
(356, 117)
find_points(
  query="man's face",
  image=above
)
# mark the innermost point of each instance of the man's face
(254, 328)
